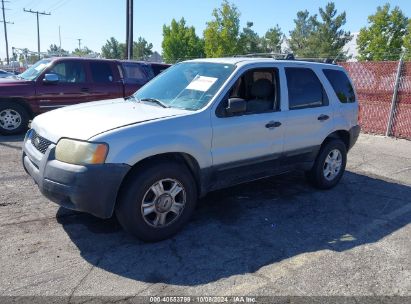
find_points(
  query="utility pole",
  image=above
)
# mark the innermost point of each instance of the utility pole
(38, 26)
(5, 30)
(79, 44)
(129, 30)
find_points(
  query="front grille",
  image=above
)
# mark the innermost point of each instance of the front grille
(40, 143)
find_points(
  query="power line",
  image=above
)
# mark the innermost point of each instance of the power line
(5, 30)
(61, 5)
(38, 26)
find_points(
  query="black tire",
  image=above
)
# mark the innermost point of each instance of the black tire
(316, 175)
(19, 117)
(137, 185)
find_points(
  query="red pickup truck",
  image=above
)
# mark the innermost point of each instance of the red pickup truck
(58, 82)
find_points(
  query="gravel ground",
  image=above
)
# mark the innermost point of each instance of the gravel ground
(274, 237)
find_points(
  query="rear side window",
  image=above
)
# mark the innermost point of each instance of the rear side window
(135, 73)
(341, 85)
(159, 68)
(304, 89)
(101, 72)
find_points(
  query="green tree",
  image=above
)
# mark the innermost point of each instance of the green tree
(249, 41)
(329, 38)
(55, 50)
(407, 42)
(222, 33)
(271, 42)
(113, 49)
(181, 42)
(320, 38)
(82, 52)
(302, 35)
(142, 50)
(384, 37)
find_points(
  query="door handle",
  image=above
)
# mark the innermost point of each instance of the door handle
(273, 124)
(323, 117)
(85, 89)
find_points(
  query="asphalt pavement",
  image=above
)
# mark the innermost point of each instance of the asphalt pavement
(274, 237)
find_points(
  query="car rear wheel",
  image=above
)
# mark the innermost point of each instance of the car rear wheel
(156, 201)
(13, 118)
(329, 166)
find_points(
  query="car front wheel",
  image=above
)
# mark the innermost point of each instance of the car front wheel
(156, 201)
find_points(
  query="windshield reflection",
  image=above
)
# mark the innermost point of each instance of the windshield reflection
(188, 85)
(35, 70)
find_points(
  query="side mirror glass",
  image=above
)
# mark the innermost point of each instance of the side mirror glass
(236, 106)
(51, 78)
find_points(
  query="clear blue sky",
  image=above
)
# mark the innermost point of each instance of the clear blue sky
(94, 21)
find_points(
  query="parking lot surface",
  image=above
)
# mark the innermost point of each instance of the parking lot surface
(276, 236)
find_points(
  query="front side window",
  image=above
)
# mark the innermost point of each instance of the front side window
(304, 89)
(260, 90)
(69, 72)
(188, 85)
(341, 85)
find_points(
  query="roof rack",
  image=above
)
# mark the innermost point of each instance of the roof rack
(277, 56)
(287, 56)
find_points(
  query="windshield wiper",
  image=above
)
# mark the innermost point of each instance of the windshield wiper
(159, 102)
(131, 97)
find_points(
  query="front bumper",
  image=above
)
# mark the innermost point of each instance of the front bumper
(92, 189)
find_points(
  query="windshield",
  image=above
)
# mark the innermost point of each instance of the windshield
(189, 85)
(35, 70)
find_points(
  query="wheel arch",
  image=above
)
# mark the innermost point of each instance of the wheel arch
(182, 158)
(20, 101)
(343, 135)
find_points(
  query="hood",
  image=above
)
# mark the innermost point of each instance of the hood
(86, 120)
(12, 87)
(7, 81)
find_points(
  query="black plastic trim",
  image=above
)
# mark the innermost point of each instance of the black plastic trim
(91, 188)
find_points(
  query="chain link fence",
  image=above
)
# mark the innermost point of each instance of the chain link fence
(376, 84)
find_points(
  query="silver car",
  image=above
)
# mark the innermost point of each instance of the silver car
(201, 125)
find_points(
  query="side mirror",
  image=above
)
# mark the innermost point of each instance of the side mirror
(51, 78)
(236, 106)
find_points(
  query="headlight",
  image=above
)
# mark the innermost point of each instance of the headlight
(81, 152)
(28, 134)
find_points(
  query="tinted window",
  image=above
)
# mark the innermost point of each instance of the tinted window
(101, 72)
(69, 71)
(158, 68)
(341, 85)
(304, 89)
(135, 73)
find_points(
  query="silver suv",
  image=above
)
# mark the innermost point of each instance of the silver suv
(201, 125)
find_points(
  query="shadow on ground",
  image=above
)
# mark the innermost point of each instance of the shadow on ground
(12, 141)
(11, 138)
(241, 229)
